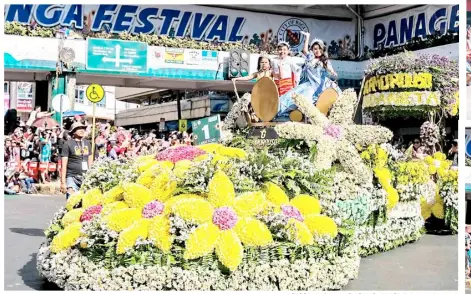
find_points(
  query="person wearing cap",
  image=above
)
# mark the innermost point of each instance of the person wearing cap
(317, 76)
(76, 159)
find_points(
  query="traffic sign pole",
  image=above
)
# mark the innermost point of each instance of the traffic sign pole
(93, 132)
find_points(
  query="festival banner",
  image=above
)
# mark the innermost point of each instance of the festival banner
(400, 28)
(190, 21)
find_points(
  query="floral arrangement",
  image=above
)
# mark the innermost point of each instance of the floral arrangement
(408, 84)
(297, 215)
(430, 136)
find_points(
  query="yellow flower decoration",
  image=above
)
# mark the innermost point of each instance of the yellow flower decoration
(159, 232)
(425, 210)
(73, 200)
(163, 186)
(249, 204)
(211, 148)
(194, 210)
(393, 197)
(115, 194)
(275, 194)
(128, 237)
(147, 164)
(72, 216)
(66, 238)
(438, 211)
(108, 208)
(321, 225)
(136, 195)
(221, 190)
(92, 197)
(225, 230)
(173, 200)
(232, 152)
(305, 221)
(121, 219)
(181, 167)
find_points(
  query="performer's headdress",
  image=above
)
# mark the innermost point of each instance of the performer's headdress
(264, 54)
(321, 45)
(283, 43)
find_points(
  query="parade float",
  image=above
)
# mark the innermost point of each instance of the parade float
(273, 206)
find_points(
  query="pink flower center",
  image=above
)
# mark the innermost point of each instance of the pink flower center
(90, 212)
(152, 209)
(333, 131)
(225, 218)
(292, 212)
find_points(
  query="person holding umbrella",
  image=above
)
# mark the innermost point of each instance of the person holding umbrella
(76, 159)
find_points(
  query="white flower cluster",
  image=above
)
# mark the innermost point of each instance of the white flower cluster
(393, 152)
(406, 210)
(410, 192)
(180, 229)
(365, 135)
(72, 271)
(394, 233)
(237, 111)
(344, 107)
(429, 191)
(450, 197)
(429, 134)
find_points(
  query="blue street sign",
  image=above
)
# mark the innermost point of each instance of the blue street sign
(116, 55)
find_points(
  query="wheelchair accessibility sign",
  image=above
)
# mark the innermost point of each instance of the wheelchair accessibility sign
(95, 93)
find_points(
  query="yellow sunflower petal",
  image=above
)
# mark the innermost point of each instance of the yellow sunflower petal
(92, 197)
(66, 238)
(173, 200)
(232, 152)
(202, 241)
(438, 210)
(159, 231)
(115, 194)
(321, 225)
(181, 167)
(275, 194)
(298, 232)
(249, 204)
(229, 249)
(306, 204)
(108, 208)
(211, 148)
(136, 195)
(72, 217)
(163, 186)
(121, 219)
(221, 190)
(425, 210)
(194, 210)
(73, 200)
(147, 164)
(253, 232)
(128, 237)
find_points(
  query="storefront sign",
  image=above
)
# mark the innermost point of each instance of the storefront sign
(196, 22)
(24, 97)
(206, 130)
(400, 28)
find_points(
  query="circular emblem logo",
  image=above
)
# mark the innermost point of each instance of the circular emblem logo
(290, 32)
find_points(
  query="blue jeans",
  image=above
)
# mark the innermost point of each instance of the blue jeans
(74, 183)
(29, 183)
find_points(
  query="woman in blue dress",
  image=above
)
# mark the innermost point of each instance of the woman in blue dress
(317, 76)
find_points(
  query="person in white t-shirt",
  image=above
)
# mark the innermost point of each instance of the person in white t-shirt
(285, 71)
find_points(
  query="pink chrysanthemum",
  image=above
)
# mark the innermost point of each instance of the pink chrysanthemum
(334, 131)
(152, 209)
(180, 153)
(90, 212)
(225, 218)
(292, 212)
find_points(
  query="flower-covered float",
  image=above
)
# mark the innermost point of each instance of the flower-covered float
(296, 215)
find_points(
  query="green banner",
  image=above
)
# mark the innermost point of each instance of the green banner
(206, 130)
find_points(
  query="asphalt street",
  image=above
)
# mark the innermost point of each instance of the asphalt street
(429, 264)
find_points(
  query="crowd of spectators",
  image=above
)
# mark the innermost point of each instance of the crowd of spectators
(33, 154)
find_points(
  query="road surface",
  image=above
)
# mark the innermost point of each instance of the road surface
(429, 264)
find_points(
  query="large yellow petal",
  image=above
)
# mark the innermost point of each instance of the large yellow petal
(232, 152)
(114, 194)
(173, 200)
(253, 232)
(299, 232)
(221, 190)
(159, 232)
(275, 194)
(202, 241)
(181, 167)
(73, 200)
(229, 249)
(72, 216)
(108, 208)
(163, 186)
(249, 204)
(128, 237)
(147, 164)
(136, 196)
(306, 204)
(92, 197)
(211, 147)
(121, 219)
(321, 225)
(194, 210)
